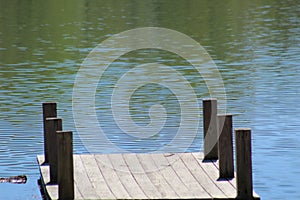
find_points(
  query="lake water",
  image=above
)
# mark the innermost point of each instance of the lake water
(255, 44)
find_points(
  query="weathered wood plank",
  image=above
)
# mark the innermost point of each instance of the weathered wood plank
(111, 177)
(170, 176)
(145, 176)
(51, 190)
(82, 181)
(125, 176)
(201, 176)
(77, 193)
(186, 177)
(140, 176)
(154, 174)
(45, 173)
(213, 173)
(95, 176)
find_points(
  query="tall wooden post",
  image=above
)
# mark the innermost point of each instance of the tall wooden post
(226, 169)
(243, 164)
(65, 165)
(49, 110)
(210, 129)
(55, 124)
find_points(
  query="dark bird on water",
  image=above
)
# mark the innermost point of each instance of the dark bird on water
(21, 179)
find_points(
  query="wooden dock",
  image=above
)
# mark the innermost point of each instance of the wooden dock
(145, 176)
(208, 175)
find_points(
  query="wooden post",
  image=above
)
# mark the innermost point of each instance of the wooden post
(55, 124)
(210, 129)
(65, 165)
(225, 146)
(243, 163)
(49, 110)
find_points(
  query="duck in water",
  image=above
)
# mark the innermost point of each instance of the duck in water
(21, 179)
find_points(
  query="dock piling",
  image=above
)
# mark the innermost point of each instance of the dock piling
(53, 125)
(49, 110)
(243, 163)
(65, 165)
(225, 146)
(210, 129)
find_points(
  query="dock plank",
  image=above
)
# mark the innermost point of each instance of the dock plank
(126, 177)
(82, 180)
(144, 176)
(155, 176)
(233, 181)
(170, 176)
(213, 173)
(141, 177)
(51, 190)
(201, 177)
(111, 177)
(186, 177)
(77, 193)
(96, 177)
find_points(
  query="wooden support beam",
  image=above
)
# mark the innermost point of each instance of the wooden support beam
(243, 163)
(49, 110)
(210, 129)
(65, 165)
(53, 124)
(226, 168)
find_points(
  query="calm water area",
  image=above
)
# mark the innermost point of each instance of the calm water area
(255, 45)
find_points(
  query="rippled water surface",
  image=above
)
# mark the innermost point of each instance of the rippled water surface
(255, 44)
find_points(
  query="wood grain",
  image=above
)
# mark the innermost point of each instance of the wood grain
(145, 176)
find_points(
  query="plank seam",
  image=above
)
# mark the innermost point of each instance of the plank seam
(195, 177)
(93, 159)
(150, 178)
(208, 175)
(131, 176)
(230, 181)
(166, 180)
(86, 173)
(147, 175)
(104, 177)
(114, 170)
(144, 173)
(77, 188)
(186, 186)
